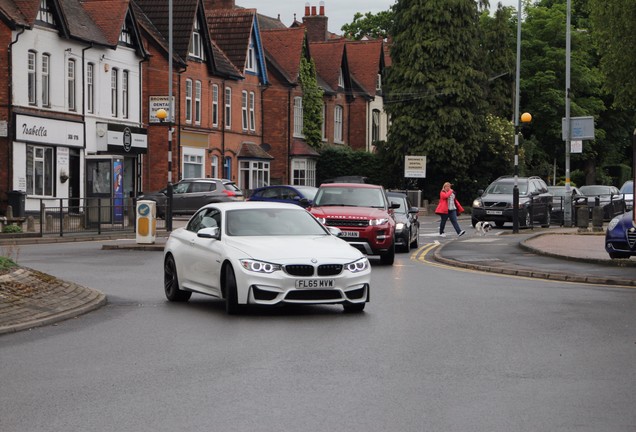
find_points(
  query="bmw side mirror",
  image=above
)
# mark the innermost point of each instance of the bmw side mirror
(210, 233)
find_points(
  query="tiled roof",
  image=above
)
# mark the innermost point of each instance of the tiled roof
(328, 58)
(28, 8)
(11, 14)
(73, 20)
(222, 64)
(154, 20)
(269, 23)
(231, 29)
(365, 62)
(107, 14)
(301, 148)
(183, 15)
(284, 49)
(153, 33)
(253, 151)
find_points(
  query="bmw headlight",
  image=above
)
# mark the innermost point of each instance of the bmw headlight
(376, 222)
(612, 224)
(259, 266)
(477, 203)
(358, 266)
(399, 227)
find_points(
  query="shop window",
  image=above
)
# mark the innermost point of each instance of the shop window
(39, 171)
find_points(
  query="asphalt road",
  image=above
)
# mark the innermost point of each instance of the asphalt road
(437, 349)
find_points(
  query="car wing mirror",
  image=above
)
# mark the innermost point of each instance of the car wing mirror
(414, 210)
(335, 231)
(210, 233)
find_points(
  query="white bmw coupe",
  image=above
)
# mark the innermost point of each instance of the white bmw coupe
(260, 253)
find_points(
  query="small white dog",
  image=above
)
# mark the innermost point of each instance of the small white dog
(483, 227)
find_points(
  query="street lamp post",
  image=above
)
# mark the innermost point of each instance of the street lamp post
(162, 114)
(525, 118)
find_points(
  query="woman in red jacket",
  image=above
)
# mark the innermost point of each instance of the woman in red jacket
(449, 208)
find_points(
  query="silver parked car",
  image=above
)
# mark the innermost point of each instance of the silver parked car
(190, 194)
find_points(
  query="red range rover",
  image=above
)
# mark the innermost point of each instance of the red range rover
(362, 212)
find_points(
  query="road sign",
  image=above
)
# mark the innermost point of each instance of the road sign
(415, 166)
(582, 128)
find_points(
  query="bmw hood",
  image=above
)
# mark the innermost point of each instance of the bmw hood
(269, 248)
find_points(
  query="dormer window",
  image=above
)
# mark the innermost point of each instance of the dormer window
(378, 83)
(45, 14)
(196, 44)
(250, 61)
(340, 79)
(125, 37)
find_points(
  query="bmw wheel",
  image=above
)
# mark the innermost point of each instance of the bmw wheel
(171, 282)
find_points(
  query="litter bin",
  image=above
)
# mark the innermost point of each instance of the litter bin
(146, 221)
(17, 199)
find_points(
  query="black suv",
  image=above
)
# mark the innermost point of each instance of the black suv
(495, 203)
(190, 194)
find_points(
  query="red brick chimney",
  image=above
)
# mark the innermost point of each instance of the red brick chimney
(219, 4)
(316, 23)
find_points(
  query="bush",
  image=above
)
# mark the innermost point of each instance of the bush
(12, 229)
(6, 263)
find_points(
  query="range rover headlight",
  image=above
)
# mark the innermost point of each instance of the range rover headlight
(376, 222)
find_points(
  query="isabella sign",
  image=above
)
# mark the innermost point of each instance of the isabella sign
(48, 131)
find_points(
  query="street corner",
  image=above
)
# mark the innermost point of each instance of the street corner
(29, 299)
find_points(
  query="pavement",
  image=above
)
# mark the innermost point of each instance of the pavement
(29, 298)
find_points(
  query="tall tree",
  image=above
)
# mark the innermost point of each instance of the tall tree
(613, 23)
(434, 89)
(498, 41)
(375, 26)
(543, 89)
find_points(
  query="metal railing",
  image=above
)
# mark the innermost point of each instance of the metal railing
(84, 215)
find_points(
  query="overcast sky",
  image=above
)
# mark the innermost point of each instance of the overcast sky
(339, 12)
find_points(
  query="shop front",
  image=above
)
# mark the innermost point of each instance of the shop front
(46, 160)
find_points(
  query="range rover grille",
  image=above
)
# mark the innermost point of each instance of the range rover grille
(347, 222)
